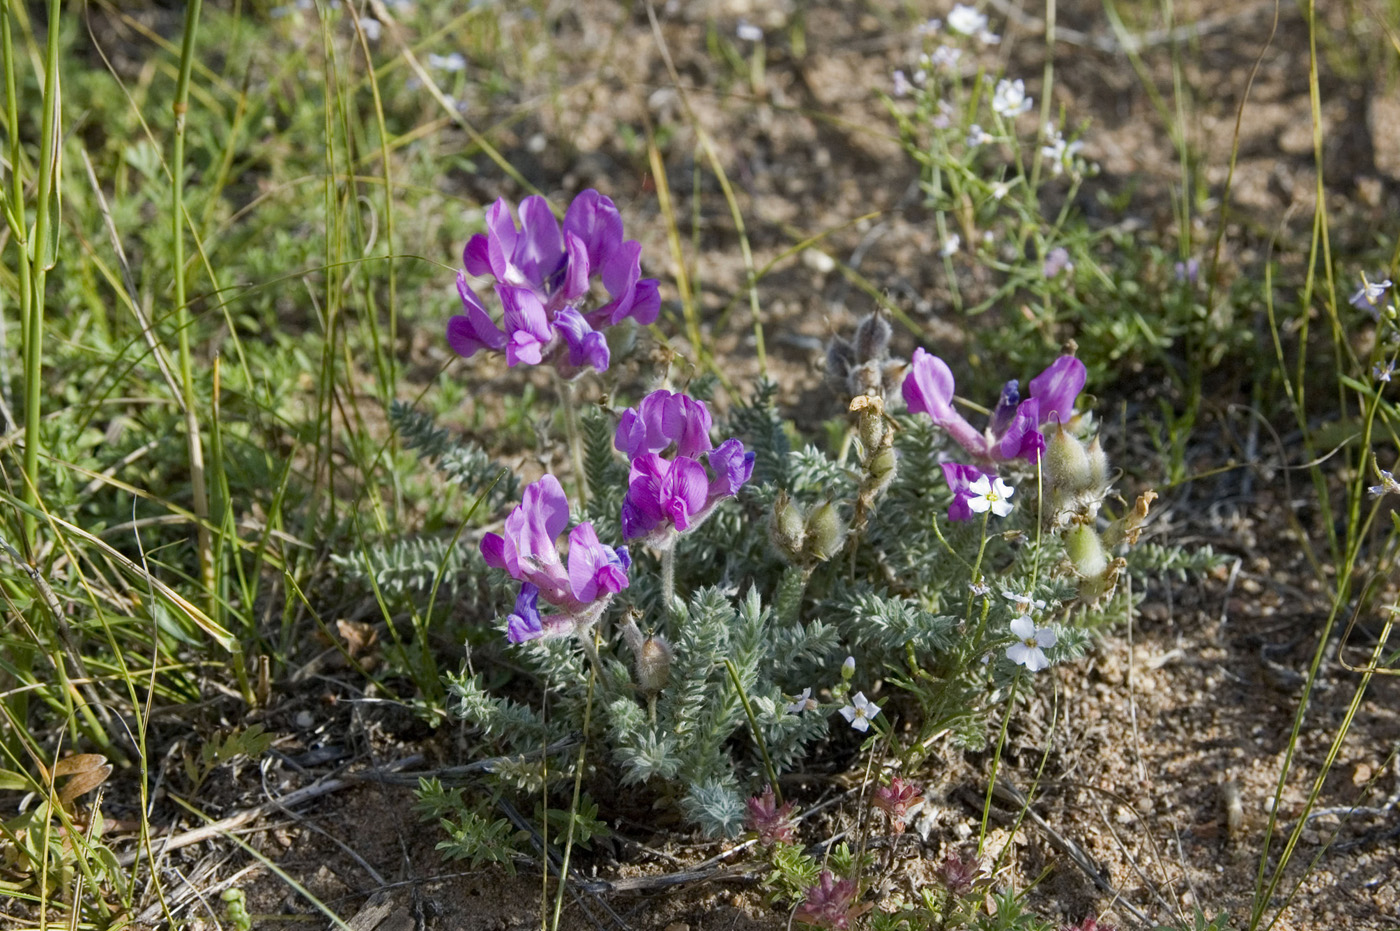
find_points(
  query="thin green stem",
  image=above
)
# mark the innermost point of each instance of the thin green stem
(571, 432)
(183, 323)
(42, 255)
(996, 762)
(753, 726)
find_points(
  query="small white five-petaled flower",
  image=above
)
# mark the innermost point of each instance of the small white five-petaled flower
(804, 702)
(988, 496)
(860, 711)
(1010, 100)
(1034, 641)
(1383, 372)
(966, 20)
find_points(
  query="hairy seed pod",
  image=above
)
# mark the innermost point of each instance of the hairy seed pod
(1085, 551)
(654, 664)
(1066, 463)
(872, 338)
(825, 533)
(786, 528)
(1098, 466)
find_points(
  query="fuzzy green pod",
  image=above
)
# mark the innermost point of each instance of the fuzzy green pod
(1085, 551)
(787, 528)
(824, 534)
(1067, 463)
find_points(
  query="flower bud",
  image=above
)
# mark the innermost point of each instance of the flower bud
(870, 425)
(848, 669)
(654, 664)
(824, 532)
(1085, 551)
(785, 528)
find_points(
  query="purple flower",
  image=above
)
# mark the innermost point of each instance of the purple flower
(663, 419)
(528, 551)
(1014, 430)
(543, 278)
(677, 493)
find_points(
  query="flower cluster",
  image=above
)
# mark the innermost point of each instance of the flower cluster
(898, 800)
(672, 495)
(770, 821)
(528, 552)
(1014, 431)
(831, 903)
(543, 279)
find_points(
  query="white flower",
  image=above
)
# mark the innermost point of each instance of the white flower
(860, 711)
(804, 702)
(453, 62)
(950, 245)
(902, 87)
(1030, 652)
(979, 589)
(1383, 372)
(945, 56)
(1010, 98)
(928, 27)
(1369, 294)
(966, 20)
(1000, 189)
(987, 496)
(372, 27)
(1057, 261)
(748, 31)
(1388, 485)
(1058, 152)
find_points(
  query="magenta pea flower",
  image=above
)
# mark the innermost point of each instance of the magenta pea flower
(544, 278)
(528, 551)
(1014, 428)
(675, 494)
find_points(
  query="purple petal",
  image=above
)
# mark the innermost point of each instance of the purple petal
(686, 421)
(631, 436)
(620, 274)
(732, 467)
(1022, 440)
(635, 522)
(594, 569)
(540, 248)
(1057, 387)
(684, 491)
(960, 478)
(1006, 408)
(493, 550)
(575, 283)
(586, 345)
(646, 301)
(526, 324)
(594, 219)
(642, 508)
(466, 334)
(928, 389)
(524, 623)
(476, 257)
(500, 238)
